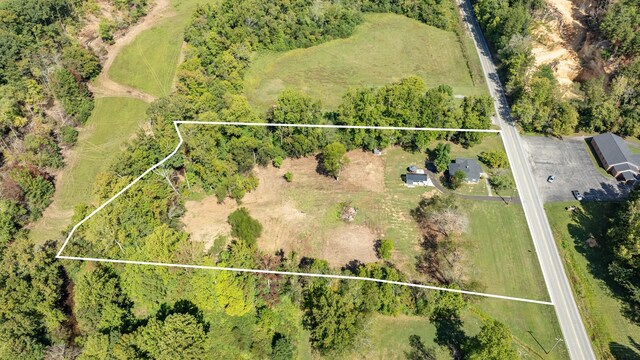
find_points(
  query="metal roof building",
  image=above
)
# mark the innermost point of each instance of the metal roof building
(614, 155)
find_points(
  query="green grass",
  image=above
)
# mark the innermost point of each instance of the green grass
(535, 327)
(612, 334)
(149, 62)
(112, 123)
(501, 252)
(388, 336)
(385, 48)
(473, 189)
(101, 139)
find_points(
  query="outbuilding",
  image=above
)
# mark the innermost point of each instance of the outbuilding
(413, 179)
(614, 155)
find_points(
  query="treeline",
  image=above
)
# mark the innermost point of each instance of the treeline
(44, 97)
(607, 105)
(90, 311)
(623, 240)
(235, 151)
(223, 36)
(537, 102)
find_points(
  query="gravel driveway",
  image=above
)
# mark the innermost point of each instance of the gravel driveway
(570, 161)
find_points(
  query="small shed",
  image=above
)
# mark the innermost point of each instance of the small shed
(377, 152)
(412, 179)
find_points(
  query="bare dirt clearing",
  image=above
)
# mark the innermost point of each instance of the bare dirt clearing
(551, 49)
(301, 216)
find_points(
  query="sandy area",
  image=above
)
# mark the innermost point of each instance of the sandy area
(550, 49)
(285, 225)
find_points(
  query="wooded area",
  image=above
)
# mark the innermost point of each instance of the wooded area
(94, 311)
(609, 103)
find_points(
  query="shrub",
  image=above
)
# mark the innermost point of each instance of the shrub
(69, 135)
(500, 182)
(385, 248)
(106, 31)
(442, 156)
(277, 162)
(494, 159)
(457, 179)
(244, 227)
(81, 61)
(73, 95)
(288, 176)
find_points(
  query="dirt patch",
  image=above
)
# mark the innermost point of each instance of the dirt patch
(206, 219)
(364, 170)
(591, 242)
(285, 225)
(349, 242)
(551, 49)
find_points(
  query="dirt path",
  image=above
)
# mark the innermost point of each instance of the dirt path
(103, 86)
(56, 217)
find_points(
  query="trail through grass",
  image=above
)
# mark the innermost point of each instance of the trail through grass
(112, 122)
(149, 63)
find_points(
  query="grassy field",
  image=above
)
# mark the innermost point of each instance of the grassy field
(535, 327)
(613, 335)
(149, 62)
(112, 123)
(388, 336)
(501, 252)
(372, 56)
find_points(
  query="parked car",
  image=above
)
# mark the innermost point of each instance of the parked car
(577, 195)
(551, 178)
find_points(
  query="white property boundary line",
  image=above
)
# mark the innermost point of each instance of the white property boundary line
(257, 271)
(329, 276)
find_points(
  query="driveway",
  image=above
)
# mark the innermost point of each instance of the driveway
(571, 162)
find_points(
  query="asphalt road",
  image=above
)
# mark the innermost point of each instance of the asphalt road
(575, 336)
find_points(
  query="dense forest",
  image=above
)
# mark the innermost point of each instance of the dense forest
(608, 103)
(53, 309)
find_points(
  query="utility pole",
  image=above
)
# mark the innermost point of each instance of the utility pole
(556, 344)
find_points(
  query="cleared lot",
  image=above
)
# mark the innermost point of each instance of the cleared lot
(572, 164)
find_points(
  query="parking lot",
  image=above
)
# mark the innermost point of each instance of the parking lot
(571, 162)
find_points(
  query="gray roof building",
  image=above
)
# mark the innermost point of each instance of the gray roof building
(470, 167)
(412, 179)
(614, 155)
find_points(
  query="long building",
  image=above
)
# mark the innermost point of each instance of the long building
(614, 155)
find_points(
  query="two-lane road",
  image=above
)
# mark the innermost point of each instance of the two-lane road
(575, 336)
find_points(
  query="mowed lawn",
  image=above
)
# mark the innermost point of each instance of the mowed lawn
(385, 48)
(611, 332)
(149, 63)
(112, 122)
(501, 252)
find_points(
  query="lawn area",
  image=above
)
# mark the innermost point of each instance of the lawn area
(612, 334)
(501, 252)
(535, 327)
(99, 141)
(149, 62)
(372, 56)
(387, 337)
